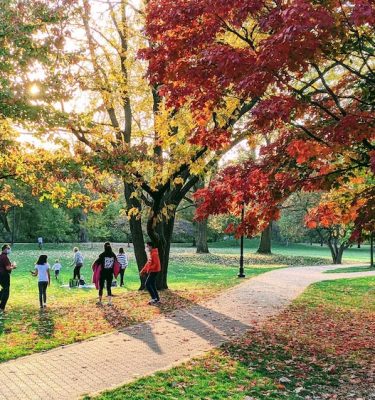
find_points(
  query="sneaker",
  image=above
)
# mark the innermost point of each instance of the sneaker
(152, 302)
(99, 303)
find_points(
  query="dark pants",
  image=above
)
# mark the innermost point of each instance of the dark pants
(106, 275)
(151, 285)
(122, 272)
(77, 271)
(5, 287)
(42, 293)
(57, 273)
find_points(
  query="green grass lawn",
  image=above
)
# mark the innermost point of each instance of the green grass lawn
(349, 269)
(320, 347)
(352, 254)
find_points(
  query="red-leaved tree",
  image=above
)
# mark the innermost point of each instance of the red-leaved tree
(309, 67)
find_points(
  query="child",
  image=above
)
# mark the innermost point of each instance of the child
(122, 258)
(57, 268)
(42, 272)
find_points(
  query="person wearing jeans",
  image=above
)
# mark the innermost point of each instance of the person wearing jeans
(6, 268)
(152, 269)
(42, 272)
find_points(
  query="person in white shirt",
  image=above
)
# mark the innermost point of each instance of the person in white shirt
(57, 268)
(123, 259)
(42, 272)
(78, 263)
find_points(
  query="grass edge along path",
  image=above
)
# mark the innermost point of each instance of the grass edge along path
(287, 363)
(343, 270)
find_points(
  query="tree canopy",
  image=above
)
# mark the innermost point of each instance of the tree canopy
(308, 66)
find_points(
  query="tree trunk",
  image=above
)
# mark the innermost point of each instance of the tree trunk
(136, 230)
(82, 234)
(337, 251)
(372, 250)
(201, 231)
(265, 241)
(4, 221)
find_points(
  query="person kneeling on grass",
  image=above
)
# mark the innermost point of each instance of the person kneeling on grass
(42, 272)
(151, 269)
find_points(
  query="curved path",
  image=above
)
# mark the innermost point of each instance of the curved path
(114, 359)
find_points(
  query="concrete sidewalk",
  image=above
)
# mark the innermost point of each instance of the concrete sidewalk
(114, 359)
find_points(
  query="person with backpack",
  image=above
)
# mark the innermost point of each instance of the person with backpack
(152, 269)
(42, 272)
(6, 268)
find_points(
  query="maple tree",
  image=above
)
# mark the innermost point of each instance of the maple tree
(345, 215)
(308, 66)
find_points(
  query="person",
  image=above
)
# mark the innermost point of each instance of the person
(57, 268)
(6, 268)
(40, 242)
(42, 272)
(78, 263)
(122, 258)
(151, 269)
(106, 261)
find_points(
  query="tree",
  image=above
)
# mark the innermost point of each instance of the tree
(292, 225)
(338, 213)
(129, 130)
(309, 67)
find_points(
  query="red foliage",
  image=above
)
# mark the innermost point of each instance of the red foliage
(280, 56)
(363, 12)
(215, 139)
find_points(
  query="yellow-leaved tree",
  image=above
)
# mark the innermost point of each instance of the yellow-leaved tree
(126, 127)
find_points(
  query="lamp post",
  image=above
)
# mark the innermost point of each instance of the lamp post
(241, 274)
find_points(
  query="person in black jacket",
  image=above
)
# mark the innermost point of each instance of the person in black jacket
(6, 268)
(106, 260)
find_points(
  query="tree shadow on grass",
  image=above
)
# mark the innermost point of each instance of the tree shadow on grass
(116, 317)
(45, 327)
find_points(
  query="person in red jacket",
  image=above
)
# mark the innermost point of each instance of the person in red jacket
(151, 269)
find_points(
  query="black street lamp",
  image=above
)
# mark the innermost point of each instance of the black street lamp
(241, 274)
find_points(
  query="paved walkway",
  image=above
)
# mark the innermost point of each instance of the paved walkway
(111, 360)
